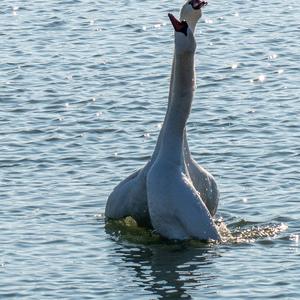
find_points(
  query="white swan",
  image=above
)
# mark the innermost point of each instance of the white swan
(129, 198)
(202, 180)
(176, 208)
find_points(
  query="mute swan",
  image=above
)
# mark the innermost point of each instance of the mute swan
(202, 180)
(176, 208)
(129, 197)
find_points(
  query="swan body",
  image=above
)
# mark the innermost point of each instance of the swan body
(175, 206)
(129, 197)
(202, 180)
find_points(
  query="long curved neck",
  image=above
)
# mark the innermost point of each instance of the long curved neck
(192, 25)
(182, 97)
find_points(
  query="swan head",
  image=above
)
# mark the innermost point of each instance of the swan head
(191, 12)
(184, 37)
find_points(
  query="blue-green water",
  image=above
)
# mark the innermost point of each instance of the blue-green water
(83, 92)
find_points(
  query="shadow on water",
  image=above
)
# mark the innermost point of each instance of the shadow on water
(173, 270)
(168, 269)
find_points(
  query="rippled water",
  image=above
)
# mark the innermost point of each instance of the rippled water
(83, 91)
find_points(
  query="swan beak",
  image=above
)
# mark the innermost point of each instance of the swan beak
(178, 26)
(197, 4)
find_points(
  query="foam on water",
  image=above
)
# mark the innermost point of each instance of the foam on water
(239, 232)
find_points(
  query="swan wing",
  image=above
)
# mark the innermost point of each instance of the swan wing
(129, 198)
(192, 213)
(117, 202)
(205, 184)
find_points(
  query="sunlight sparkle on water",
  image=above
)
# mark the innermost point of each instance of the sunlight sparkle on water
(14, 10)
(159, 126)
(295, 238)
(260, 78)
(272, 56)
(208, 21)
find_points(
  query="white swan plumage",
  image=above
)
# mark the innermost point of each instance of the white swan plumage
(129, 197)
(176, 208)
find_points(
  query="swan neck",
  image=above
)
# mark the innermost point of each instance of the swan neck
(179, 110)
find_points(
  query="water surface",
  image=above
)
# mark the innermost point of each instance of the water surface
(83, 92)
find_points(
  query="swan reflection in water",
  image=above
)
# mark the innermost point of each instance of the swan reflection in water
(180, 269)
(167, 269)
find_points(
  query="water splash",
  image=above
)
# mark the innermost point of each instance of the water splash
(240, 232)
(247, 232)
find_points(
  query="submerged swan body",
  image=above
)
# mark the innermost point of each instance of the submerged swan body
(129, 197)
(176, 208)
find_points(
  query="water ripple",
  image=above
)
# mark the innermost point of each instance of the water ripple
(83, 92)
